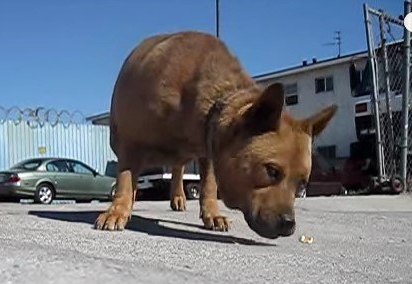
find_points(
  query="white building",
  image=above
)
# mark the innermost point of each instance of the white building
(318, 84)
(312, 86)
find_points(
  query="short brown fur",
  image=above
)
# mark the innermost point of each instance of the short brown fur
(161, 114)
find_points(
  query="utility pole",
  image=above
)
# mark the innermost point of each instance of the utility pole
(217, 18)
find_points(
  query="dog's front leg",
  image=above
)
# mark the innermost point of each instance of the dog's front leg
(120, 211)
(209, 208)
(177, 193)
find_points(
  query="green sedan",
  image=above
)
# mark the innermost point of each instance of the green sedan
(46, 179)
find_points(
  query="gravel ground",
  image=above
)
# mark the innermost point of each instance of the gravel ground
(356, 240)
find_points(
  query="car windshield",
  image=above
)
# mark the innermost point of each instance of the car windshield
(111, 169)
(28, 165)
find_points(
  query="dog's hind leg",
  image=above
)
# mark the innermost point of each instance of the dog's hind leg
(120, 211)
(209, 208)
(177, 193)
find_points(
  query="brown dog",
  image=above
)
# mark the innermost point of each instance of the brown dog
(183, 96)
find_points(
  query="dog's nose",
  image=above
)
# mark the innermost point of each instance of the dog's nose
(287, 224)
(287, 219)
(272, 226)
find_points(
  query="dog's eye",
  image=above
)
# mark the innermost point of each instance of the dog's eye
(274, 173)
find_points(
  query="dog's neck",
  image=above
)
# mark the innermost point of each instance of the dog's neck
(223, 114)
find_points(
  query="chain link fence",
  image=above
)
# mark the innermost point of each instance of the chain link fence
(38, 117)
(388, 60)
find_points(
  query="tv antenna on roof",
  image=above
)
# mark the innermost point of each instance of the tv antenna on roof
(337, 42)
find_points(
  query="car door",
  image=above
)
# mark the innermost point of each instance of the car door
(103, 185)
(83, 179)
(59, 172)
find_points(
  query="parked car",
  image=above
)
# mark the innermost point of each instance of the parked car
(46, 179)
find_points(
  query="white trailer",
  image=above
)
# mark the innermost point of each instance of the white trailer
(157, 180)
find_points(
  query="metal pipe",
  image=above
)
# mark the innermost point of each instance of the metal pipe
(371, 55)
(405, 101)
(389, 18)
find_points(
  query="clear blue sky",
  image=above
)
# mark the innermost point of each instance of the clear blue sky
(66, 54)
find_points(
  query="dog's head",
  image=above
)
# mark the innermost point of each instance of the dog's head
(266, 160)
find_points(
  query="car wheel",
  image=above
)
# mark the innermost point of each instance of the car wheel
(112, 193)
(397, 185)
(192, 191)
(302, 193)
(374, 186)
(44, 194)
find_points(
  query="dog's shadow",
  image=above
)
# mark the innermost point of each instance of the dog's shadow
(149, 226)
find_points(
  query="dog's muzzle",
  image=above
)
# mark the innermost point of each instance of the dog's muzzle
(272, 227)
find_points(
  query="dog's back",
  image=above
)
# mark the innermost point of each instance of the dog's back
(165, 89)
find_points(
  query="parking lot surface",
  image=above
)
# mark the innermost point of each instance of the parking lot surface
(364, 239)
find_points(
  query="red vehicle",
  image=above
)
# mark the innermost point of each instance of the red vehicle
(325, 179)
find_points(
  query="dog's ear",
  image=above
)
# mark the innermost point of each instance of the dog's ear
(315, 124)
(264, 114)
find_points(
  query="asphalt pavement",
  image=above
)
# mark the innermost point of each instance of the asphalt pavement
(366, 239)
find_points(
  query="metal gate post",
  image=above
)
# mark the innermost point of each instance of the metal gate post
(371, 54)
(405, 101)
(387, 86)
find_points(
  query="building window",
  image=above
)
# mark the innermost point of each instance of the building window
(324, 84)
(360, 79)
(291, 94)
(328, 152)
(291, 100)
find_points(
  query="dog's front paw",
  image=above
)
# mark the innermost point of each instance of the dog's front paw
(115, 219)
(178, 203)
(216, 223)
(210, 214)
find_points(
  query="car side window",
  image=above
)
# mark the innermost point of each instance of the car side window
(57, 166)
(80, 169)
